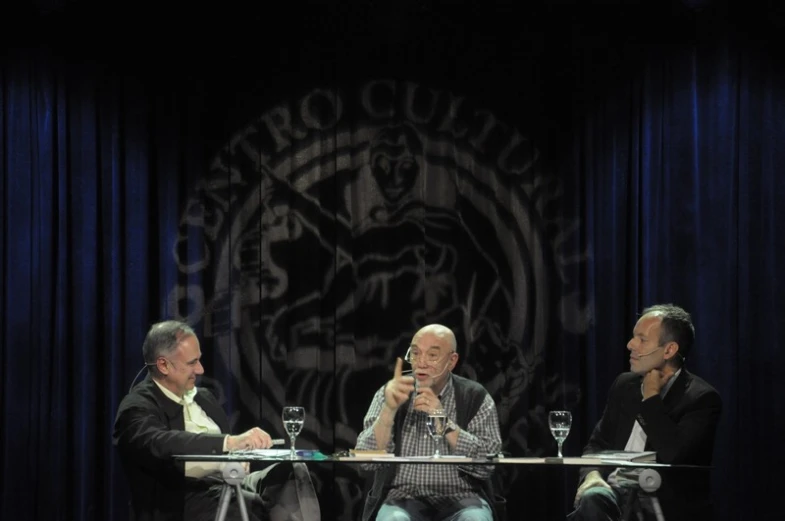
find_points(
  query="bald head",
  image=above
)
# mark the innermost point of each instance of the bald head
(439, 331)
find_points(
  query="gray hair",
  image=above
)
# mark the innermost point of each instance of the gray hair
(676, 327)
(162, 340)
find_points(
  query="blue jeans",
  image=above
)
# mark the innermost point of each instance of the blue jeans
(469, 509)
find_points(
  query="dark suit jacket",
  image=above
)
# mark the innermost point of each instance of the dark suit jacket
(149, 429)
(681, 428)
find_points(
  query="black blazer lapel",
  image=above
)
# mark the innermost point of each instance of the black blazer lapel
(673, 397)
(172, 410)
(677, 390)
(630, 406)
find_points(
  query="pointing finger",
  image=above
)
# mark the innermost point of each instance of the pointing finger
(406, 382)
(398, 368)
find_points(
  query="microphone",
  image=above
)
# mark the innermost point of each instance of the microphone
(416, 386)
(651, 352)
(410, 372)
(440, 373)
(146, 364)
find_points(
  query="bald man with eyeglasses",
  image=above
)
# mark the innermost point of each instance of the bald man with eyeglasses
(396, 422)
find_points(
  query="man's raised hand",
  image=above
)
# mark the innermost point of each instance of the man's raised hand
(655, 380)
(399, 388)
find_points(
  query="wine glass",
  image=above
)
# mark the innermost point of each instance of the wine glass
(560, 423)
(293, 420)
(437, 420)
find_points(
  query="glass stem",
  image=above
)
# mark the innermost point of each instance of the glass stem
(560, 450)
(292, 453)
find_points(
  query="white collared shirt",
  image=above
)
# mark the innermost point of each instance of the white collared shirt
(196, 421)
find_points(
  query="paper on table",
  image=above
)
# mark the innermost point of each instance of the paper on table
(514, 460)
(268, 453)
(642, 456)
(370, 454)
(449, 457)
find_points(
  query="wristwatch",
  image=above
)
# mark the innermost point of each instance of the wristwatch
(450, 426)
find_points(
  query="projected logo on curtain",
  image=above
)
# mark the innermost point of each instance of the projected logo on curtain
(336, 225)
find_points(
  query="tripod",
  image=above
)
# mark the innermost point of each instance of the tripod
(648, 482)
(233, 475)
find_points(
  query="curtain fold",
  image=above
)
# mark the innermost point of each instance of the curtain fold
(307, 221)
(679, 168)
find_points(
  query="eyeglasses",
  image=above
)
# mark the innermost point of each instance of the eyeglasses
(431, 357)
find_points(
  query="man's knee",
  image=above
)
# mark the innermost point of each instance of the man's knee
(394, 516)
(392, 513)
(472, 509)
(397, 515)
(599, 503)
(473, 514)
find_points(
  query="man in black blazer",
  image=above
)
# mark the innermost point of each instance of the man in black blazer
(657, 406)
(165, 415)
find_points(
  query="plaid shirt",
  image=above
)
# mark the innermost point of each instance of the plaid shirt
(438, 481)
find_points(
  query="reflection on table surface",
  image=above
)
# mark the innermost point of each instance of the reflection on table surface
(374, 457)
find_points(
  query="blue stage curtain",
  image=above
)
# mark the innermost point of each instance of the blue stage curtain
(680, 162)
(670, 157)
(90, 207)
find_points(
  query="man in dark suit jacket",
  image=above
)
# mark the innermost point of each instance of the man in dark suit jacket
(166, 415)
(657, 406)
